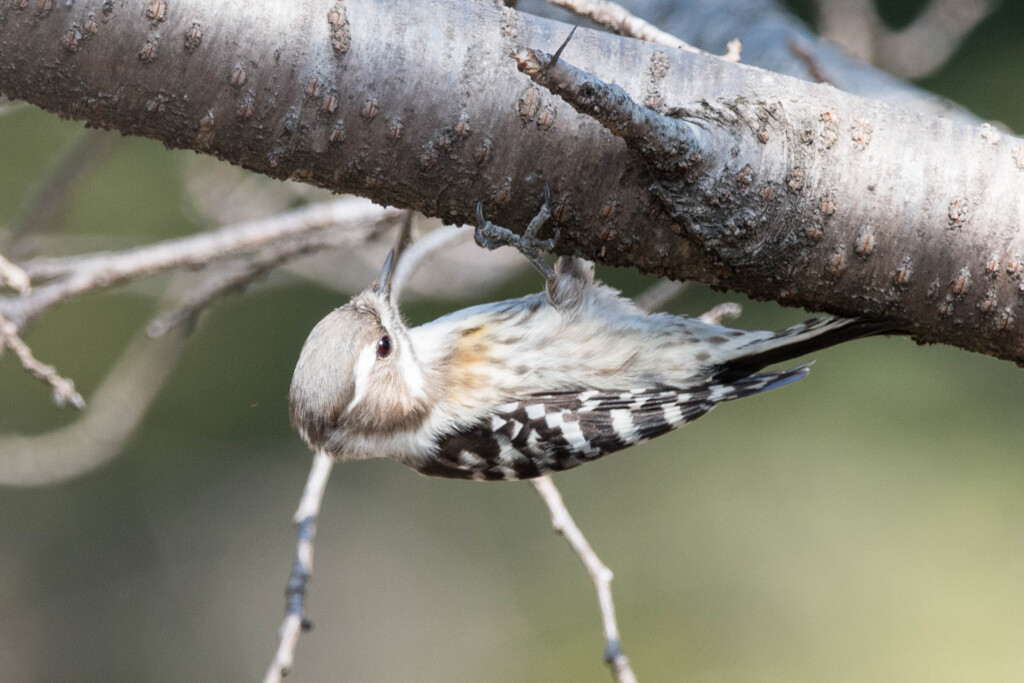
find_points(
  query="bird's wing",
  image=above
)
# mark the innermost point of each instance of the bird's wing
(557, 431)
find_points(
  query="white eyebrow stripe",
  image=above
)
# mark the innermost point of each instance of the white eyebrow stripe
(361, 372)
(409, 369)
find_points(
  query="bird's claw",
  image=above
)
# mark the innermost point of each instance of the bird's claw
(491, 236)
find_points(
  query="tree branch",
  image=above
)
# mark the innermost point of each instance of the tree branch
(14, 277)
(617, 18)
(807, 213)
(774, 39)
(337, 223)
(776, 193)
(564, 524)
(295, 620)
(63, 388)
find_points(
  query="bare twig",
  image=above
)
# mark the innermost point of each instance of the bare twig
(76, 275)
(616, 18)
(650, 299)
(236, 276)
(115, 410)
(295, 620)
(14, 277)
(564, 524)
(63, 388)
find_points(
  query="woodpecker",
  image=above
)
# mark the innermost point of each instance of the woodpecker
(519, 388)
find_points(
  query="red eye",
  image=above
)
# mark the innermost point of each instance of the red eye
(384, 347)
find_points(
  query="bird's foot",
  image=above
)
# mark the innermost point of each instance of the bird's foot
(491, 236)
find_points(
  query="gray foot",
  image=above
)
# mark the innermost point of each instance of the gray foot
(491, 236)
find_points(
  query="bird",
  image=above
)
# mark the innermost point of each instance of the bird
(524, 387)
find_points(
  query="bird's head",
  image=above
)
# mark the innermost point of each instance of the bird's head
(357, 373)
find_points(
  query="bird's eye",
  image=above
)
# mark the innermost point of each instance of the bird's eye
(384, 347)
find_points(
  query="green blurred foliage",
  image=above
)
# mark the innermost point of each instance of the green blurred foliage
(865, 524)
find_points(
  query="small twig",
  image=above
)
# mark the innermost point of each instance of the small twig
(662, 140)
(805, 54)
(14, 277)
(79, 274)
(561, 48)
(616, 18)
(235, 277)
(295, 620)
(564, 524)
(63, 388)
(650, 299)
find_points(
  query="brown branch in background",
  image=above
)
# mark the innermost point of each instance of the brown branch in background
(295, 620)
(618, 19)
(277, 239)
(564, 524)
(63, 388)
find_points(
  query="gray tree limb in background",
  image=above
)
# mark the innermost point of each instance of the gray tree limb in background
(792, 191)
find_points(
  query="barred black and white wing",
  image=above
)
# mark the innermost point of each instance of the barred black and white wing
(557, 431)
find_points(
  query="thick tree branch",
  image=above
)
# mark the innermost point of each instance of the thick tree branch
(830, 202)
(760, 184)
(774, 39)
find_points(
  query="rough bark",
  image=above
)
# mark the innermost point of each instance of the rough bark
(792, 191)
(776, 40)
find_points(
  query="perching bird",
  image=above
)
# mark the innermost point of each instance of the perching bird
(518, 388)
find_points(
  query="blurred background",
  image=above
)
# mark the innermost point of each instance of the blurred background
(864, 524)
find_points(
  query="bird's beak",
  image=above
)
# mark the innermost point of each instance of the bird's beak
(382, 285)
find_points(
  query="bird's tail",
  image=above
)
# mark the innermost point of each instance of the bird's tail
(796, 341)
